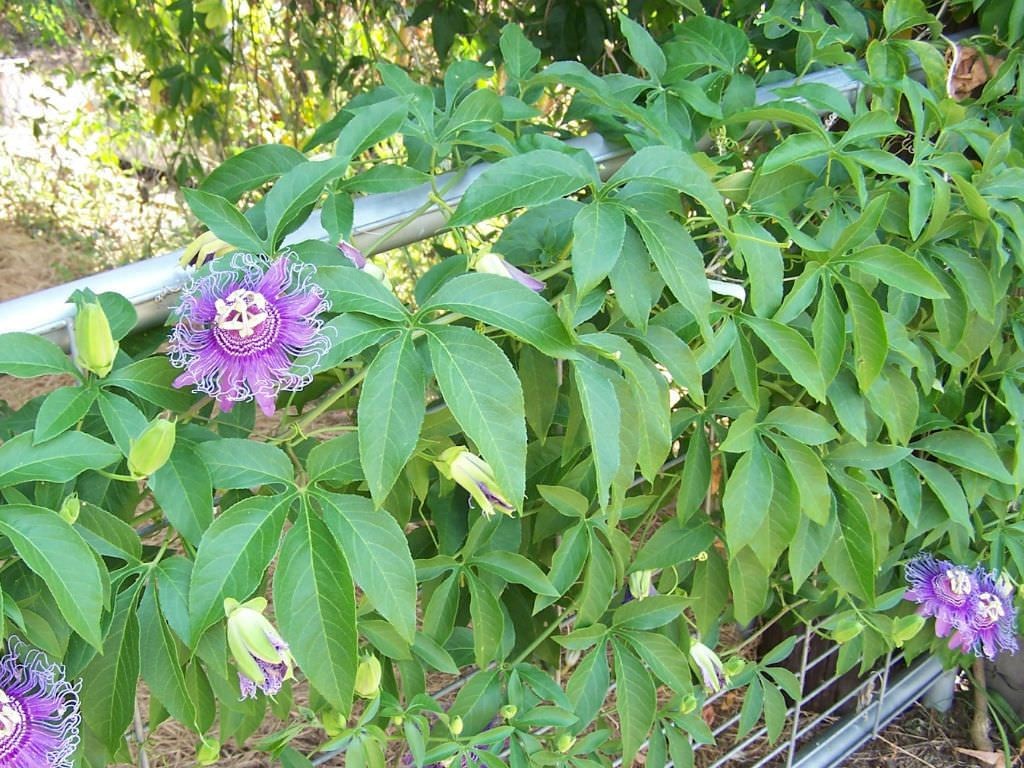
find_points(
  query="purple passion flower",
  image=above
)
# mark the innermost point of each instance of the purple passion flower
(992, 620)
(240, 328)
(39, 712)
(943, 590)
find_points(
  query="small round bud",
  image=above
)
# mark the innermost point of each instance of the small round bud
(95, 347)
(153, 448)
(208, 752)
(564, 742)
(455, 726)
(905, 628)
(847, 629)
(397, 720)
(70, 508)
(368, 677)
(734, 666)
(508, 711)
(688, 704)
(332, 722)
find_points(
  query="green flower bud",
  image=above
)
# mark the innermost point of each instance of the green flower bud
(688, 704)
(734, 666)
(640, 584)
(847, 629)
(95, 348)
(368, 677)
(455, 725)
(70, 508)
(208, 752)
(152, 449)
(397, 720)
(332, 722)
(564, 742)
(476, 476)
(508, 711)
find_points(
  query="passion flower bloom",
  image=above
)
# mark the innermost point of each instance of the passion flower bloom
(264, 661)
(476, 476)
(39, 711)
(992, 619)
(241, 327)
(493, 264)
(943, 590)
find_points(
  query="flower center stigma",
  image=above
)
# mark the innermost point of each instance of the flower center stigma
(242, 311)
(959, 581)
(990, 607)
(12, 720)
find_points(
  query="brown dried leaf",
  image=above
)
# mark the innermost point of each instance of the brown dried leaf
(995, 759)
(968, 70)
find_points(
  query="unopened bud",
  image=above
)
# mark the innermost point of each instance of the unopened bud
(152, 449)
(847, 629)
(95, 348)
(333, 723)
(368, 677)
(455, 725)
(508, 711)
(564, 742)
(208, 752)
(734, 666)
(70, 508)
(397, 720)
(688, 704)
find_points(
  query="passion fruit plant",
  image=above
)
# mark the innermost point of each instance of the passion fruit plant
(500, 512)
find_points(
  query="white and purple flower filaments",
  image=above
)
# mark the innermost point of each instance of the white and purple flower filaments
(241, 327)
(39, 711)
(973, 605)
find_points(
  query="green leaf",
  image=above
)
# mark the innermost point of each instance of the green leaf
(603, 418)
(484, 395)
(315, 607)
(335, 461)
(124, 420)
(677, 357)
(517, 569)
(478, 111)
(61, 410)
(664, 657)
(526, 180)
(748, 580)
(588, 687)
(678, 259)
(811, 479)
(183, 489)
(598, 233)
(239, 463)
(967, 449)
(763, 258)
(674, 543)
(250, 169)
(858, 542)
(378, 553)
(478, 701)
(793, 150)
(370, 125)
(894, 267)
(25, 355)
(488, 622)
(384, 178)
(829, 332)
(518, 53)
(293, 195)
(793, 351)
(224, 220)
(390, 413)
(350, 334)
(233, 556)
(650, 612)
(870, 339)
(110, 681)
(801, 424)
(160, 659)
(151, 379)
(598, 584)
(748, 494)
(107, 535)
(352, 290)
(58, 460)
(336, 215)
(669, 167)
(505, 304)
(643, 49)
(947, 490)
(635, 701)
(57, 554)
